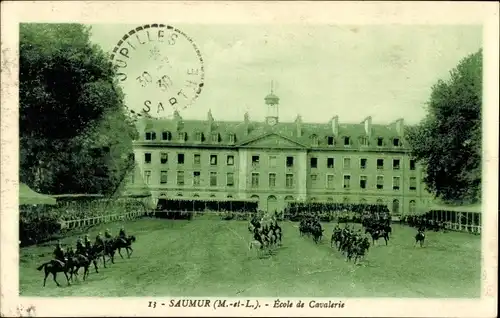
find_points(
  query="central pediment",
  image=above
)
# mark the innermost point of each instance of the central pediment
(272, 140)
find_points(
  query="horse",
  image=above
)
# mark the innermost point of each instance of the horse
(54, 267)
(78, 261)
(420, 237)
(317, 234)
(125, 243)
(376, 234)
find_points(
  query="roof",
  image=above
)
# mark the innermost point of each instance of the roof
(244, 131)
(28, 196)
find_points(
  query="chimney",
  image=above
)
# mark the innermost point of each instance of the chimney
(400, 126)
(368, 125)
(298, 124)
(178, 121)
(210, 122)
(246, 123)
(335, 125)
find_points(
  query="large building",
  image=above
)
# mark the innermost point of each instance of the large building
(276, 162)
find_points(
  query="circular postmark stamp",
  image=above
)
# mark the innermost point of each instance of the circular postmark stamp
(159, 67)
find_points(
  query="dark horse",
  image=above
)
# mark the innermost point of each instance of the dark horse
(78, 261)
(420, 237)
(376, 234)
(126, 243)
(54, 267)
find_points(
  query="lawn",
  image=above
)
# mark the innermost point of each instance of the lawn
(211, 258)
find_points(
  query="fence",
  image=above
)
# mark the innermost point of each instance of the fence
(469, 222)
(73, 224)
(457, 221)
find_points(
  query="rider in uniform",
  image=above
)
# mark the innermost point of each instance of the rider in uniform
(80, 249)
(59, 253)
(98, 239)
(107, 235)
(122, 234)
(88, 243)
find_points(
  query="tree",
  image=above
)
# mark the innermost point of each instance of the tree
(448, 140)
(74, 134)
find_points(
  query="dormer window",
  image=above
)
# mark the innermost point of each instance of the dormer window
(166, 135)
(314, 140)
(150, 135)
(380, 142)
(199, 137)
(331, 141)
(215, 137)
(347, 141)
(363, 140)
(396, 142)
(182, 136)
(231, 138)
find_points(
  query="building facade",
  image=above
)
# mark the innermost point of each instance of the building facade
(275, 162)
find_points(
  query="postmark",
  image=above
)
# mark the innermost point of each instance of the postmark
(160, 67)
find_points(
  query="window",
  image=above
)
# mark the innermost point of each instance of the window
(147, 176)
(413, 183)
(163, 177)
(131, 177)
(347, 181)
(166, 135)
(255, 161)
(148, 136)
(330, 141)
(380, 141)
(147, 157)
(231, 138)
(182, 136)
(380, 182)
(213, 179)
(230, 160)
(272, 161)
(196, 178)
(230, 179)
(413, 205)
(363, 180)
(314, 178)
(163, 157)
(180, 178)
(347, 141)
(395, 164)
(213, 160)
(215, 138)
(329, 181)
(395, 207)
(362, 163)
(197, 159)
(272, 180)
(199, 136)
(330, 163)
(395, 142)
(363, 141)
(314, 162)
(289, 162)
(180, 158)
(413, 164)
(395, 183)
(289, 180)
(255, 180)
(314, 140)
(380, 164)
(347, 163)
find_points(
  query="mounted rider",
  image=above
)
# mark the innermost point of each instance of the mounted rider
(98, 240)
(107, 235)
(80, 248)
(122, 235)
(59, 254)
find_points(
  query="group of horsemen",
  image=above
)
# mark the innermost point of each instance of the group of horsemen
(85, 247)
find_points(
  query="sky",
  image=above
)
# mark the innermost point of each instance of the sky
(318, 71)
